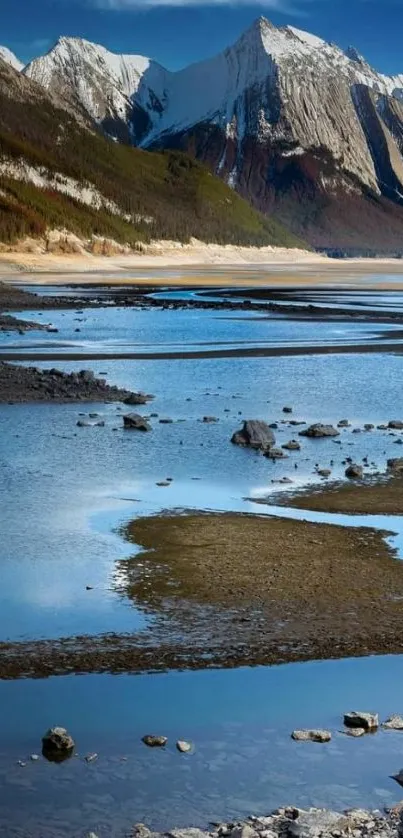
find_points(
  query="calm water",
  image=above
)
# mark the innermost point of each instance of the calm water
(66, 491)
(240, 722)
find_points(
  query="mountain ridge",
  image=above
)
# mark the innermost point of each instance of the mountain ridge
(299, 127)
(57, 171)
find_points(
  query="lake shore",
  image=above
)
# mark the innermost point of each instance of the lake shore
(198, 264)
(293, 822)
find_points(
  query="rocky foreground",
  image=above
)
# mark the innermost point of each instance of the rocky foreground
(291, 822)
(30, 384)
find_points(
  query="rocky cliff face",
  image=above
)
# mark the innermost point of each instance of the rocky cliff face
(298, 126)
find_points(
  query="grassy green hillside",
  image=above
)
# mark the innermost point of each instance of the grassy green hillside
(180, 195)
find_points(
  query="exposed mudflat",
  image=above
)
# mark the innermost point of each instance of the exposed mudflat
(382, 496)
(230, 590)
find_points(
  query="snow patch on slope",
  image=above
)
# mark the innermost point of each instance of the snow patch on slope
(84, 193)
(11, 59)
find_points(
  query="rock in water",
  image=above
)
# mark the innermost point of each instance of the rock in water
(399, 778)
(369, 721)
(395, 465)
(275, 454)
(137, 398)
(394, 723)
(354, 471)
(356, 732)
(134, 421)
(311, 735)
(318, 430)
(155, 741)
(184, 747)
(256, 434)
(292, 445)
(395, 424)
(58, 741)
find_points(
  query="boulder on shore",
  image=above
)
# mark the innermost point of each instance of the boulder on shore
(369, 721)
(395, 465)
(354, 471)
(318, 430)
(134, 421)
(256, 434)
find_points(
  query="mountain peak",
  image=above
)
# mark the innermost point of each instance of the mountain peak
(11, 59)
(353, 54)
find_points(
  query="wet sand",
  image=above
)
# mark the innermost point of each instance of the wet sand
(231, 590)
(244, 352)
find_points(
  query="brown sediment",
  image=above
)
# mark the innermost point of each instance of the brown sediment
(380, 496)
(241, 352)
(226, 590)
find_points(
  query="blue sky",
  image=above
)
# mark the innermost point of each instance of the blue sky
(176, 32)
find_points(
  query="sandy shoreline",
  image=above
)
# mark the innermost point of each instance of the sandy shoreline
(199, 265)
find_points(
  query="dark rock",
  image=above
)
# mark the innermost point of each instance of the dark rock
(287, 409)
(155, 741)
(208, 419)
(275, 454)
(354, 471)
(395, 465)
(344, 423)
(136, 399)
(134, 421)
(255, 434)
(369, 721)
(318, 430)
(166, 421)
(57, 741)
(324, 472)
(292, 445)
(395, 424)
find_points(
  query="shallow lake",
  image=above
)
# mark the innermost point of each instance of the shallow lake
(66, 491)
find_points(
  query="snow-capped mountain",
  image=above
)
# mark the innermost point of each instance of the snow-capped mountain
(10, 58)
(296, 124)
(124, 93)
